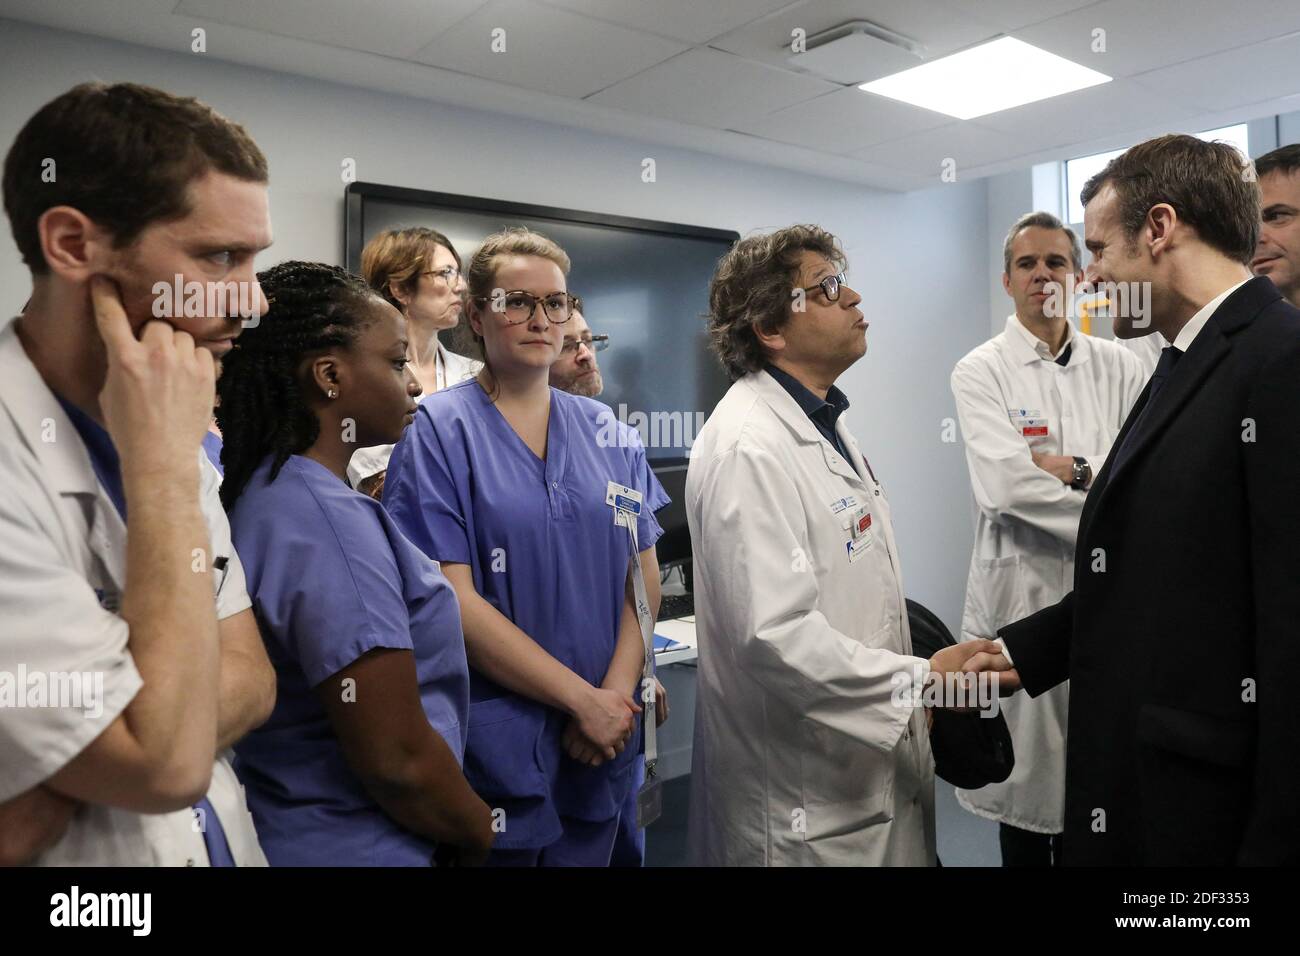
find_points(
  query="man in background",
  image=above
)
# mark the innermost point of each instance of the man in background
(1039, 407)
(1278, 253)
(576, 371)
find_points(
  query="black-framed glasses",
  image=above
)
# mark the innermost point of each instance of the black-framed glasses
(517, 306)
(594, 343)
(830, 286)
(448, 274)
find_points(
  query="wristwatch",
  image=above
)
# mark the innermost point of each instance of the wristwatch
(1082, 473)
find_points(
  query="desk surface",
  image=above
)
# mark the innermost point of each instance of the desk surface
(681, 630)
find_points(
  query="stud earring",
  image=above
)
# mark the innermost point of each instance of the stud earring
(332, 393)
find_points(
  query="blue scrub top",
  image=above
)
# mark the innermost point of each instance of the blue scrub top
(212, 448)
(545, 552)
(331, 578)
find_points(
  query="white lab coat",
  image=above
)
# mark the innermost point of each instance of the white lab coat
(62, 567)
(801, 755)
(1013, 400)
(452, 370)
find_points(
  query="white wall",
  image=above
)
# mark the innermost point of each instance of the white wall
(919, 259)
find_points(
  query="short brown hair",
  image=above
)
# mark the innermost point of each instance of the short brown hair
(481, 276)
(124, 155)
(1284, 159)
(753, 287)
(1206, 183)
(395, 258)
(1041, 220)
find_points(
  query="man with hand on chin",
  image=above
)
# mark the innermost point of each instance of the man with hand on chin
(115, 554)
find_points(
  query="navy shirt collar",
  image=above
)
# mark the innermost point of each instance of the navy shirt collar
(822, 411)
(103, 454)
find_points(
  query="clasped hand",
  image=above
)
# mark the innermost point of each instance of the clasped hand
(601, 730)
(956, 668)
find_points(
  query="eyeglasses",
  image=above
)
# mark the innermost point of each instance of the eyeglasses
(830, 286)
(517, 307)
(594, 343)
(448, 275)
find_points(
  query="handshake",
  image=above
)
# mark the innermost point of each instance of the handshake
(962, 675)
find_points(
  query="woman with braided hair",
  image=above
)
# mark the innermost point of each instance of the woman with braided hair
(360, 762)
(507, 482)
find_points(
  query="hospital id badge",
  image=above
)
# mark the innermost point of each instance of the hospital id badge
(624, 500)
(862, 524)
(649, 799)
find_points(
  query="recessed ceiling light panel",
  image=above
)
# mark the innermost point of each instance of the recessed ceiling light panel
(985, 79)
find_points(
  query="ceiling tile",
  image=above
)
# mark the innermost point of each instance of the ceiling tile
(403, 27)
(707, 87)
(1105, 110)
(968, 145)
(546, 49)
(1224, 81)
(938, 27)
(1156, 33)
(1013, 14)
(694, 21)
(845, 121)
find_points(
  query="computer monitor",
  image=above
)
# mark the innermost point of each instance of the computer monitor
(645, 283)
(674, 548)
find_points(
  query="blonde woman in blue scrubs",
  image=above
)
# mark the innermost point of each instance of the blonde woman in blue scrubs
(504, 480)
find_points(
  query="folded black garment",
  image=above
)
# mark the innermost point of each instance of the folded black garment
(971, 750)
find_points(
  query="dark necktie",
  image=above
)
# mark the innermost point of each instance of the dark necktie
(1168, 359)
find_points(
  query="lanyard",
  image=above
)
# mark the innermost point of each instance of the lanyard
(628, 520)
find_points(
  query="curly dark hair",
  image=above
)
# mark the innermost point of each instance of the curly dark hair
(753, 288)
(261, 411)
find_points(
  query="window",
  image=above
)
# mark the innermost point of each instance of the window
(1079, 171)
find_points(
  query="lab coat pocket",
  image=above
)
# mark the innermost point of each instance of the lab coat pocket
(846, 785)
(996, 595)
(501, 758)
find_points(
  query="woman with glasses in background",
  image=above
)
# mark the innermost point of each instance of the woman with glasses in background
(505, 481)
(417, 270)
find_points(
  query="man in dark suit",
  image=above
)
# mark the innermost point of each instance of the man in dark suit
(1181, 638)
